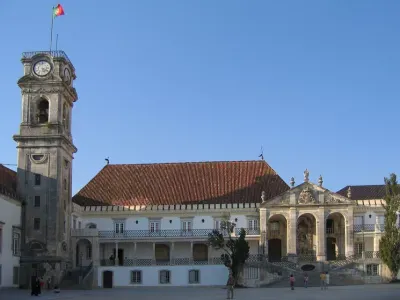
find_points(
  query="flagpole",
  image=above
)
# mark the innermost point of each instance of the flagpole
(56, 42)
(51, 30)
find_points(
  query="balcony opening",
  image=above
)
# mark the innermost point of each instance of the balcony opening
(42, 111)
(162, 253)
(200, 253)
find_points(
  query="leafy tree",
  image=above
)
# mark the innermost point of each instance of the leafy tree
(236, 250)
(389, 246)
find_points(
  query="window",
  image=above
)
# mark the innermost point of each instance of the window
(154, 226)
(194, 276)
(274, 226)
(119, 227)
(186, 225)
(359, 248)
(38, 179)
(372, 270)
(65, 226)
(36, 223)
(136, 277)
(89, 252)
(79, 224)
(253, 224)
(65, 184)
(16, 243)
(218, 224)
(43, 112)
(74, 223)
(165, 277)
(37, 201)
(15, 275)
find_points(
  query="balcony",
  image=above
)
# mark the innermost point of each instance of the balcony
(368, 227)
(249, 231)
(174, 261)
(172, 233)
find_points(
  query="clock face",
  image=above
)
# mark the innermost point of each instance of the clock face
(42, 68)
(67, 75)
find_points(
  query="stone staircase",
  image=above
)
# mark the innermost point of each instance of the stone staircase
(78, 279)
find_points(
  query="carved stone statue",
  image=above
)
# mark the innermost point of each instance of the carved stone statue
(306, 197)
(263, 196)
(306, 175)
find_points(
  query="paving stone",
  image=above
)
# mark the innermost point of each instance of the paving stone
(365, 292)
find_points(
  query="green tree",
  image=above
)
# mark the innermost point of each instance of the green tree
(389, 246)
(236, 250)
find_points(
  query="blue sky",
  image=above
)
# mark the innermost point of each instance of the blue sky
(316, 83)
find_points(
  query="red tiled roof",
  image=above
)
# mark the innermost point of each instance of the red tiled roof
(181, 183)
(8, 182)
(364, 192)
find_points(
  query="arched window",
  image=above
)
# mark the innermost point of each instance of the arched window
(43, 111)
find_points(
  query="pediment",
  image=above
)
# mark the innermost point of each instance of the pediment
(307, 194)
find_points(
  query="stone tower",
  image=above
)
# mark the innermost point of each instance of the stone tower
(45, 153)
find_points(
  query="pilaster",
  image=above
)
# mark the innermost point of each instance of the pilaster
(291, 232)
(321, 234)
(349, 233)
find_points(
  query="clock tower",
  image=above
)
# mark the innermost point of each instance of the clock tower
(45, 153)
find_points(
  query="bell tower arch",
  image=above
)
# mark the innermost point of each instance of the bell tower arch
(45, 152)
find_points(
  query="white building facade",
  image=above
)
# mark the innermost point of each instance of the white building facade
(10, 240)
(167, 244)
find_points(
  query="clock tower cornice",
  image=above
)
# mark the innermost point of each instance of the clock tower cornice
(49, 88)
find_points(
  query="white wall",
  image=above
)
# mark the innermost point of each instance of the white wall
(10, 214)
(167, 223)
(209, 275)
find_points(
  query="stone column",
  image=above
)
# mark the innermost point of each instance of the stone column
(292, 233)
(321, 234)
(116, 259)
(191, 252)
(134, 252)
(349, 234)
(263, 231)
(377, 238)
(95, 252)
(154, 254)
(171, 253)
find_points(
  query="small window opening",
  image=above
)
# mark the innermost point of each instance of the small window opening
(43, 111)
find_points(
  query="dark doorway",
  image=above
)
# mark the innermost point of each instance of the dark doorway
(107, 279)
(330, 248)
(120, 256)
(274, 250)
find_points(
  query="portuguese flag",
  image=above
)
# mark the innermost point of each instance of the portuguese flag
(58, 11)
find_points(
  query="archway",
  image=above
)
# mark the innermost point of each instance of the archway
(277, 237)
(108, 279)
(335, 236)
(306, 237)
(83, 253)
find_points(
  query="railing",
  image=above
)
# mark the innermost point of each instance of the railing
(174, 261)
(137, 234)
(371, 254)
(368, 227)
(59, 53)
(249, 231)
(330, 230)
(274, 233)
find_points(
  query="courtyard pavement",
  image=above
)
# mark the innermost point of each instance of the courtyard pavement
(365, 292)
